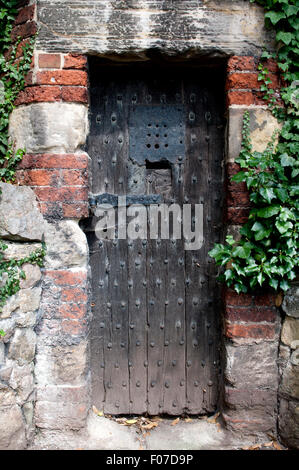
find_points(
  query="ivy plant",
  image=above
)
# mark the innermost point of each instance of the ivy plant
(11, 271)
(13, 70)
(267, 252)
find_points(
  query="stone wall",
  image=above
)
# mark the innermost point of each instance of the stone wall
(51, 121)
(136, 28)
(289, 370)
(21, 225)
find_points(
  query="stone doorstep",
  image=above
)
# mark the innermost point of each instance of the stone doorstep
(102, 433)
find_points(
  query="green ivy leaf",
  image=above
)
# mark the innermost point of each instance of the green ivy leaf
(269, 211)
(287, 161)
(275, 16)
(284, 285)
(267, 193)
(273, 283)
(241, 251)
(284, 37)
(283, 227)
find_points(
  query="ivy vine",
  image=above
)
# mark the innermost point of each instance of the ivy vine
(13, 71)
(267, 252)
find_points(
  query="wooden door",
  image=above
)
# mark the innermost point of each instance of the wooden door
(155, 334)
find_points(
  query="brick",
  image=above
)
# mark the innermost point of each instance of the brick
(241, 63)
(51, 209)
(75, 211)
(233, 187)
(25, 14)
(72, 311)
(275, 81)
(242, 81)
(73, 327)
(237, 216)
(19, 51)
(68, 194)
(245, 98)
(232, 169)
(49, 61)
(66, 277)
(265, 299)
(75, 61)
(29, 79)
(78, 161)
(235, 330)
(232, 298)
(74, 177)
(74, 94)
(253, 314)
(238, 199)
(38, 94)
(62, 77)
(271, 65)
(23, 31)
(248, 398)
(38, 177)
(73, 295)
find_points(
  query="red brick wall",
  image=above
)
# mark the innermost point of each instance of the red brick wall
(242, 83)
(251, 322)
(59, 181)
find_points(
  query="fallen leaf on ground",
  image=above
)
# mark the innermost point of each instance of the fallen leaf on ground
(188, 420)
(156, 418)
(149, 426)
(131, 421)
(175, 422)
(97, 412)
(268, 444)
(276, 445)
(214, 418)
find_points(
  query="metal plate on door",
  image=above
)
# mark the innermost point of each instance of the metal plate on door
(157, 133)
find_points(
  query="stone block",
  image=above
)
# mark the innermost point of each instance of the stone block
(61, 365)
(249, 397)
(66, 245)
(21, 380)
(25, 300)
(33, 276)
(25, 319)
(106, 27)
(12, 429)
(22, 346)
(295, 358)
(290, 302)
(20, 218)
(290, 330)
(2, 353)
(262, 126)
(19, 250)
(7, 396)
(290, 382)
(288, 422)
(49, 127)
(252, 364)
(51, 415)
(63, 394)
(256, 421)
